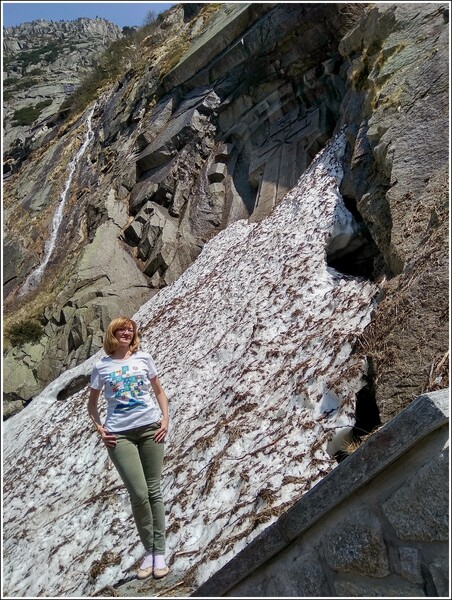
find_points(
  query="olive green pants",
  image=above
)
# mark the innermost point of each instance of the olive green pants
(139, 460)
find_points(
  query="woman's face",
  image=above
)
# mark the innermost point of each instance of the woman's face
(124, 335)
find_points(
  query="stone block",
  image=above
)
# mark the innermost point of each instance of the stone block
(104, 260)
(11, 407)
(377, 589)
(151, 160)
(217, 173)
(133, 232)
(289, 170)
(267, 194)
(141, 193)
(148, 241)
(357, 546)
(157, 120)
(184, 257)
(209, 104)
(174, 136)
(216, 188)
(179, 200)
(152, 230)
(158, 240)
(161, 257)
(74, 341)
(422, 517)
(439, 570)
(223, 152)
(116, 209)
(410, 564)
(123, 192)
(69, 312)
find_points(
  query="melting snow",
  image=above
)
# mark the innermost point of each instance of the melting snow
(254, 348)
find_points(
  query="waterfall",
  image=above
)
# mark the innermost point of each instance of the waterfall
(35, 276)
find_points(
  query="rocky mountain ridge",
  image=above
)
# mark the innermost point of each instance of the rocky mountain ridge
(265, 187)
(43, 63)
(213, 122)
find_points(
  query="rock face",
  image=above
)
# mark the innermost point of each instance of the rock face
(398, 176)
(217, 114)
(43, 63)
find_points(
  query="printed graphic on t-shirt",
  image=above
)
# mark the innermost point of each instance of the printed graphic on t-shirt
(127, 388)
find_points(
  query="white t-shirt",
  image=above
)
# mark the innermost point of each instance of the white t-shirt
(126, 385)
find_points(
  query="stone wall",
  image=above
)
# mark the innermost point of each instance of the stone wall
(375, 526)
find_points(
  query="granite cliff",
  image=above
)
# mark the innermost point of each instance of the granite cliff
(43, 63)
(218, 111)
(265, 187)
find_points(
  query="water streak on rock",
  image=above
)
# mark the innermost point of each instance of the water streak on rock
(35, 276)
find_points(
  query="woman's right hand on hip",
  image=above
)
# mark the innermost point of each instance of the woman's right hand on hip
(109, 439)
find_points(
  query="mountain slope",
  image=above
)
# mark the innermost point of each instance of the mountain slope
(254, 345)
(44, 62)
(211, 117)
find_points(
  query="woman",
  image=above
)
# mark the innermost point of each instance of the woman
(133, 433)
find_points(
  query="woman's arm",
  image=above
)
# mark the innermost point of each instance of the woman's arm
(108, 438)
(162, 400)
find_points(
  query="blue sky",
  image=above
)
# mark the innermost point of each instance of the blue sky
(121, 13)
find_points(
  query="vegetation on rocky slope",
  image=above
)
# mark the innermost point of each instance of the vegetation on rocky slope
(260, 92)
(154, 47)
